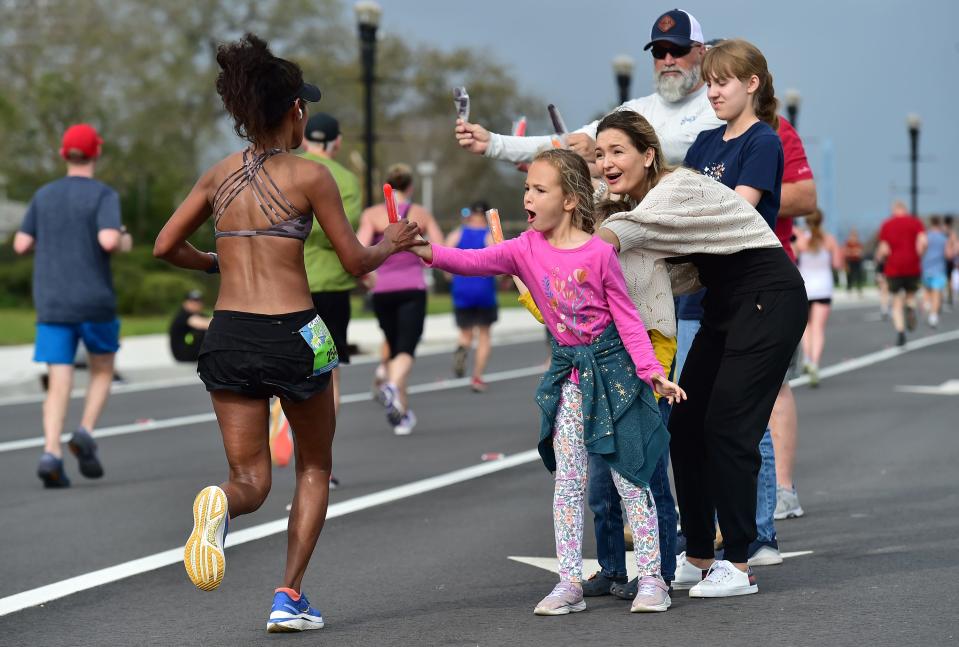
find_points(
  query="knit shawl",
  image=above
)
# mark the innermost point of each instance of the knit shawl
(689, 213)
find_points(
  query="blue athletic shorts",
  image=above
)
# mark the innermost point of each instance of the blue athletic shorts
(57, 342)
(934, 281)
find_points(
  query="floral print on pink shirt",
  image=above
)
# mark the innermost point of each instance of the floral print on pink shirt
(568, 296)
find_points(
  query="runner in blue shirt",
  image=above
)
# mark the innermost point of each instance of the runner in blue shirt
(474, 298)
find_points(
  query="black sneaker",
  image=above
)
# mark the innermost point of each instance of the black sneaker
(459, 361)
(84, 448)
(901, 339)
(910, 319)
(600, 584)
(51, 472)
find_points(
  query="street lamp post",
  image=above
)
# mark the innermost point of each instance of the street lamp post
(368, 19)
(427, 170)
(793, 99)
(623, 69)
(913, 123)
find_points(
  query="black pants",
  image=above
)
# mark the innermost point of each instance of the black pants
(732, 375)
(401, 316)
(854, 276)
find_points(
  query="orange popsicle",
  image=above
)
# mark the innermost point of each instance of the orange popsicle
(495, 228)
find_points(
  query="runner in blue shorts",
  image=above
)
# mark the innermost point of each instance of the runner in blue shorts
(72, 226)
(474, 299)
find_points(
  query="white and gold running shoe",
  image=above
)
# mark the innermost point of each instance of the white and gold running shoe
(203, 554)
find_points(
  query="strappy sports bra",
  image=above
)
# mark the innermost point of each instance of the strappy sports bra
(285, 220)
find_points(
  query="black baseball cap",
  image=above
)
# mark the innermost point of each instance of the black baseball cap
(678, 27)
(308, 92)
(322, 128)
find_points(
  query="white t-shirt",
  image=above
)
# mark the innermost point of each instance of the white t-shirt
(676, 125)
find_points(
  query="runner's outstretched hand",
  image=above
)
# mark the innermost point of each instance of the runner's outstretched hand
(472, 137)
(403, 236)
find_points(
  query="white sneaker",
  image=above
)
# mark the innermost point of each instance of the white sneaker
(787, 504)
(724, 580)
(766, 555)
(687, 575)
(406, 424)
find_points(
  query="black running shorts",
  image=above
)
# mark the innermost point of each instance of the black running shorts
(469, 317)
(401, 316)
(260, 356)
(908, 284)
(334, 310)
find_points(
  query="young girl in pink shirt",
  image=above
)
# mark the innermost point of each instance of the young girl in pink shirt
(596, 397)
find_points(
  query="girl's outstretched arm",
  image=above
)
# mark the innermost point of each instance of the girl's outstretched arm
(489, 261)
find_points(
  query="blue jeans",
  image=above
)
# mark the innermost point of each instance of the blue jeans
(766, 485)
(686, 330)
(604, 501)
(766, 491)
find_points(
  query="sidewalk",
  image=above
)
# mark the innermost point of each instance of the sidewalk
(147, 358)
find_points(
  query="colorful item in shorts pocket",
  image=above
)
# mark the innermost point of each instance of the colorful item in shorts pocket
(318, 336)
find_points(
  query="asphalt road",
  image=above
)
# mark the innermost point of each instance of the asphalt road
(876, 472)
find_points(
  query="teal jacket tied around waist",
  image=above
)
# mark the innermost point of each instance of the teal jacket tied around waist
(621, 420)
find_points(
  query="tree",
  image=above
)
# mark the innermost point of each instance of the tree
(143, 73)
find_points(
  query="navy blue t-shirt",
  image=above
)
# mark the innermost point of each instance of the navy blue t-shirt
(72, 282)
(754, 159)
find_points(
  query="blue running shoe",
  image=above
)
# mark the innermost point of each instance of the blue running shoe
(288, 615)
(84, 448)
(51, 472)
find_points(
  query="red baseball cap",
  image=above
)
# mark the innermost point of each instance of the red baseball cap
(82, 139)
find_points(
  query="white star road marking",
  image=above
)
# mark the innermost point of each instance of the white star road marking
(949, 387)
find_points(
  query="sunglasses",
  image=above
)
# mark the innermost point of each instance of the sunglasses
(676, 51)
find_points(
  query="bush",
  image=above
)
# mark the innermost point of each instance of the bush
(156, 293)
(16, 282)
(143, 284)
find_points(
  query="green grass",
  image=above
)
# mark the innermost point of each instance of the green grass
(17, 324)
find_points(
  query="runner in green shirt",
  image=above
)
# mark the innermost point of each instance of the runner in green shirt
(330, 284)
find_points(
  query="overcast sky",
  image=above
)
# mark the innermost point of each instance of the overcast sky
(860, 66)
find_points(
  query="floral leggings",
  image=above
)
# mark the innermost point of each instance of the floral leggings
(570, 492)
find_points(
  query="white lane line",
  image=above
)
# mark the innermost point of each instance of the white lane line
(869, 359)
(591, 565)
(44, 594)
(200, 418)
(191, 380)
